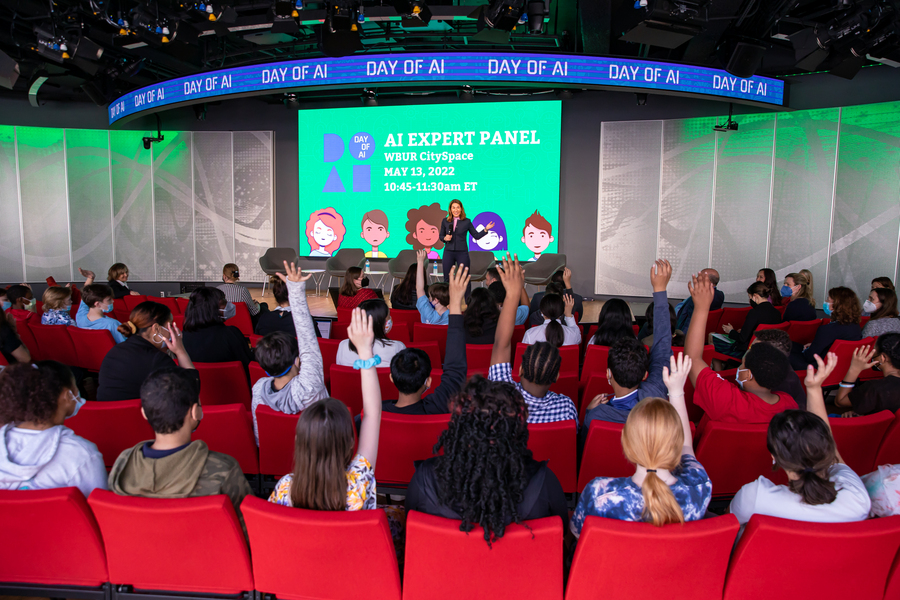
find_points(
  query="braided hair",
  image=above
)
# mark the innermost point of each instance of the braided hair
(483, 473)
(540, 363)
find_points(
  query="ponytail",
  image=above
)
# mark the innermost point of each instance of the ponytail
(144, 316)
(814, 488)
(660, 505)
(552, 307)
(653, 438)
(802, 443)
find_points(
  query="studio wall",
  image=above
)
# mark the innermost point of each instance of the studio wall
(814, 189)
(87, 198)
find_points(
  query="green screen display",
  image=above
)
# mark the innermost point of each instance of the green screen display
(382, 178)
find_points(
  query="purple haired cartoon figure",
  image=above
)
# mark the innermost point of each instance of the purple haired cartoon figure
(495, 240)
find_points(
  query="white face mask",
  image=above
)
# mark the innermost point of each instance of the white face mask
(388, 325)
(869, 306)
(162, 340)
(737, 377)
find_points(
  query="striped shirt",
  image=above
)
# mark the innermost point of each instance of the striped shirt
(237, 293)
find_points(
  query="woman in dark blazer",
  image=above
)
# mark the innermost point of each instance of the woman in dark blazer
(453, 232)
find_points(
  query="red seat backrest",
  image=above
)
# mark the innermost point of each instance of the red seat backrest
(91, 346)
(241, 319)
(555, 442)
(595, 363)
(120, 312)
(597, 384)
(27, 337)
(254, 340)
(602, 455)
(568, 355)
(399, 333)
(432, 350)
(229, 429)
(50, 538)
(343, 314)
(223, 383)
(112, 426)
(405, 439)
(858, 439)
(182, 304)
(673, 550)
(713, 322)
(210, 555)
(256, 373)
(518, 335)
(338, 330)
(329, 349)
(844, 351)
(478, 357)
(735, 454)
(55, 343)
(431, 333)
(179, 321)
(276, 440)
(810, 573)
(779, 326)
(408, 318)
(282, 538)
(346, 385)
(525, 563)
(170, 303)
(803, 332)
(734, 316)
(889, 449)
(132, 301)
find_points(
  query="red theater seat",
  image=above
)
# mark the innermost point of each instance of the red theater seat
(602, 455)
(223, 383)
(55, 343)
(91, 346)
(228, 429)
(241, 319)
(113, 426)
(432, 350)
(735, 454)
(889, 449)
(858, 439)
(568, 355)
(276, 440)
(431, 333)
(405, 439)
(556, 443)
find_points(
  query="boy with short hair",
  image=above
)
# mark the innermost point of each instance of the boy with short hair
(411, 368)
(22, 304)
(791, 384)
(433, 307)
(537, 234)
(96, 303)
(174, 466)
(294, 366)
(753, 399)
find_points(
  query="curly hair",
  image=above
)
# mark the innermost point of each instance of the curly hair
(31, 392)
(482, 473)
(482, 310)
(431, 214)
(845, 308)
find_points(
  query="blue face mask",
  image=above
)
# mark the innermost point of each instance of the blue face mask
(826, 306)
(786, 292)
(108, 308)
(7, 305)
(229, 311)
(79, 402)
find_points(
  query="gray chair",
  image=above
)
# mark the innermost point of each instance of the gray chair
(337, 265)
(479, 263)
(272, 262)
(399, 265)
(540, 271)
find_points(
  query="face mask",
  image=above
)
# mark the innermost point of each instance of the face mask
(388, 325)
(7, 305)
(162, 340)
(108, 308)
(786, 291)
(737, 377)
(79, 402)
(31, 304)
(869, 307)
(826, 306)
(229, 311)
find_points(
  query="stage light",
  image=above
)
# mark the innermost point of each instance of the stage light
(730, 124)
(535, 13)
(369, 98)
(415, 13)
(466, 94)
(503, 14)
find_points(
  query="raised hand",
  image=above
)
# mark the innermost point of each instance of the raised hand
(660, 274)
(567, 277)
(459, 279)
(361, 333)
(421, 256)
(862, 359)
(294, 274)
(175, 343)
(701, 290)
(89, 275)
(512, 275)
(677, 373)
(569, 301)
(815, 376)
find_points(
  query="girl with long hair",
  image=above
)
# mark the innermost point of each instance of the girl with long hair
(403, 296)
(801, 304)
(767, 276)
(353, 293)
(882, 308)
(327, 474)
(668, 485)
(206, 336)
(480, 318)
(555, 330)
(821, 488)
(384, 347)
(614, 322)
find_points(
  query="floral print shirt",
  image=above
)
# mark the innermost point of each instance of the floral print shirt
(57, 316)
(360, 486)
(621, 498)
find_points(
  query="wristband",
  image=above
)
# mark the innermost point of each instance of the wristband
(366, 364)
(847, 385)
(849, 382)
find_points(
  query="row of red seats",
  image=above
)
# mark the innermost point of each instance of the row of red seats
(59, 545)
(733, 454)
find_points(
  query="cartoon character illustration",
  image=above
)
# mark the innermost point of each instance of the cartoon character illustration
(375, 231)
(325, 231)
(495, 238)
(424, 226)
(536, 234)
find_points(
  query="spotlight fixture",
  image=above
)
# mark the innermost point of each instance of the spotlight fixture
(415, 13)
(730, 124)
(466, 94)
(339, 34)
(292, 101)
(369, 98)
(535, 13)
(148, 141)
(564, 94)
(503, 14)
(641, 98)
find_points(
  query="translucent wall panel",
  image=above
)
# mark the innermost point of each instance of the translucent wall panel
(628, 217)
(254, 191)
(132, 204)
(685, 204)
(805, 147)
(11, 265)
(173, 207)
(864, 238)
(213, 203)
(45, 222)
(90, 204)
(743, 189)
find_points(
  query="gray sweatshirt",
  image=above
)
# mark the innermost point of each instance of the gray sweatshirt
(309, 384)
(52, 458)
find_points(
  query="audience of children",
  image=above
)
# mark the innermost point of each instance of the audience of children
(433, 304)
(554, 329)
(280, 318)
(384, 347)
(562, 282)
(96, 304)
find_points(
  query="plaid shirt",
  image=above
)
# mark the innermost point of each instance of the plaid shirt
(552, 407)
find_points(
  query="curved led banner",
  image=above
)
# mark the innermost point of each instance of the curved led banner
(460, 67)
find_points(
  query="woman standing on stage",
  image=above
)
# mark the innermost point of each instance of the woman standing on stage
(453, 231)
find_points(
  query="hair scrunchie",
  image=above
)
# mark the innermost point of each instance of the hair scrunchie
(132, 327)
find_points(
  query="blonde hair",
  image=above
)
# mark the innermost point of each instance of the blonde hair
(116, 271)
(54, 298)
(653, 439)
(804, 280)
(229, 271)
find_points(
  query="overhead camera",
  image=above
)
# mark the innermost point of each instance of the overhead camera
(730, 124)
(148, 141)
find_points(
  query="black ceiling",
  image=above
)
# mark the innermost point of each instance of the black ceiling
(61, 40)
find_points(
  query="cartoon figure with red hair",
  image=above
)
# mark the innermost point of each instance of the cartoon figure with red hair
(325, 232)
